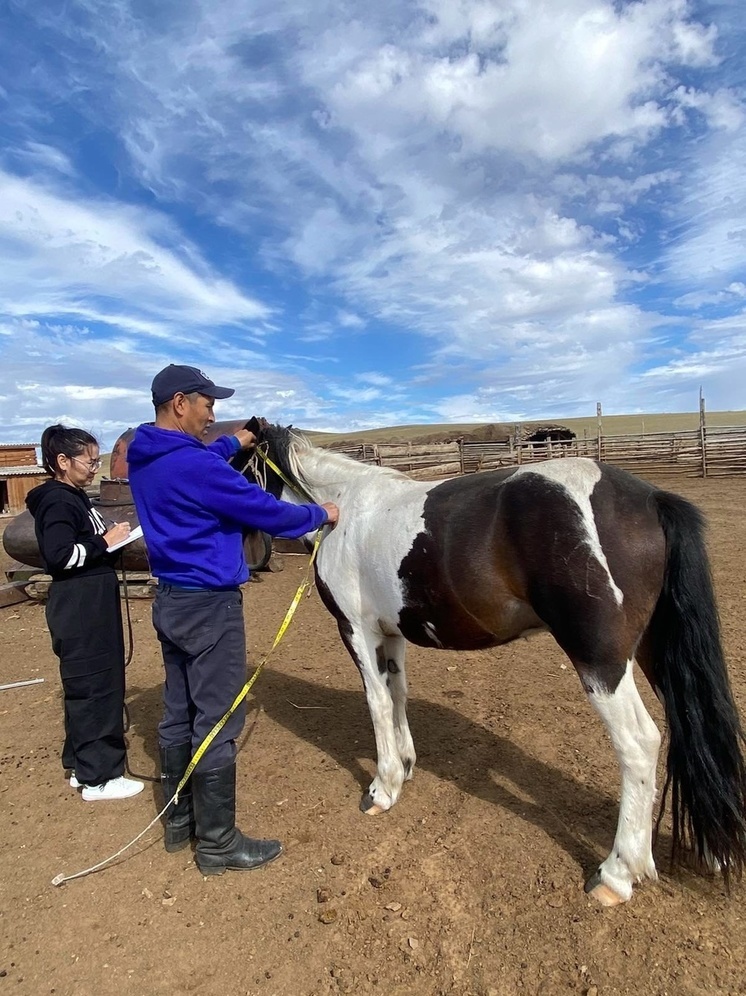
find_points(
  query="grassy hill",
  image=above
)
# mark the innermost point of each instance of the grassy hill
(611, 425)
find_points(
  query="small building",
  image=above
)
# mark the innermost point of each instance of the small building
(534, 433)
(19, 473)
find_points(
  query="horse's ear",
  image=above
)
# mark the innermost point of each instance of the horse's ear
(253, 425)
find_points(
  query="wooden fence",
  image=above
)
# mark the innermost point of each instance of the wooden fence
(705, 452)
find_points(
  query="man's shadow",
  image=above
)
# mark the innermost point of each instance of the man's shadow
(577, 816)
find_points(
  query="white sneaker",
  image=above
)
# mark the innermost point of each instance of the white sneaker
(74, 783)
(115, 788)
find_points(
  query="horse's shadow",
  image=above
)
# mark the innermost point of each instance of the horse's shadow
(453, 747)
(578, 817)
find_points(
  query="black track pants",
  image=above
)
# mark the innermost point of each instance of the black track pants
(85, 621)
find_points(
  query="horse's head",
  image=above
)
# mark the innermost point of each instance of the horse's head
(242, 461)
(277, 442)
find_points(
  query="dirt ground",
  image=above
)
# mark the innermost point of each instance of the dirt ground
(472, 884)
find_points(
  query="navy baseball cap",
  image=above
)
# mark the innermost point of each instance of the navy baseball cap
(177, 379)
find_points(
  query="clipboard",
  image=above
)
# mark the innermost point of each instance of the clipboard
(135, 534)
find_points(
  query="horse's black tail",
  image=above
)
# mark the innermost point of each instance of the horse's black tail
(706, 770)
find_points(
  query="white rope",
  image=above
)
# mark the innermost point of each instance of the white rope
(259, 468)
(61, 879)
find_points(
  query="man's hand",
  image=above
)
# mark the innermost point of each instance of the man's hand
(332, 512)
(246, 439)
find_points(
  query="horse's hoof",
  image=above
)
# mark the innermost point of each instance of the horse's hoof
(369, 807)
(601, 892)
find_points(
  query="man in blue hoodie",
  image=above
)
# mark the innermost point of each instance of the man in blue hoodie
(194, 508)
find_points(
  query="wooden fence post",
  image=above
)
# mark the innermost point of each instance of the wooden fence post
(600, 430)
(702, 432)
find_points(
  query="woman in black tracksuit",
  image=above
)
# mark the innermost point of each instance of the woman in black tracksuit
(83, 613)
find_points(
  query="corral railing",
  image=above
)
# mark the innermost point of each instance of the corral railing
(427, 460)
(705, 452)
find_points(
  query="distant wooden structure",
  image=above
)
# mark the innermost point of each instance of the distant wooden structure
(19, 473)
(545, 433)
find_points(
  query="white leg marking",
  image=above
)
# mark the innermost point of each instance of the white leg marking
(395, 649)
(385, 788)
(636, 741)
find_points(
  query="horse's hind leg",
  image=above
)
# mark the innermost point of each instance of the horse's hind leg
(393, 653)
(636, 740)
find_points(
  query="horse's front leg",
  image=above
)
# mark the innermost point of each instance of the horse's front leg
(367, 650)
(393, 652)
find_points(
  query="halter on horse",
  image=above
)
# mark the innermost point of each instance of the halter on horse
(614, 568)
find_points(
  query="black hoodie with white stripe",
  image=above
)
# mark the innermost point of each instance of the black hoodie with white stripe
(69, 531)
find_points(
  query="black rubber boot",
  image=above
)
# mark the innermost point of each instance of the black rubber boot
(179, 821)
(220, 844)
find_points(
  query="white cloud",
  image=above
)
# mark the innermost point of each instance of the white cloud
(348, 320)
(723, 109)
(42, 157)
(546, 79)
(62, 252)
(709, 246)
(485, 179)
(55, 374)
(376, 379)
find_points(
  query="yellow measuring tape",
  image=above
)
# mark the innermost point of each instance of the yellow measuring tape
(247, 687)
(198, 754)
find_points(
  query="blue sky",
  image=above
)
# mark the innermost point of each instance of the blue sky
(366, 214)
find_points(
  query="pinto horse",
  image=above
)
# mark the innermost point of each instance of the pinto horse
(613, 567)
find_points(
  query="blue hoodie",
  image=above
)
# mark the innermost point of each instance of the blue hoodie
(193, 508)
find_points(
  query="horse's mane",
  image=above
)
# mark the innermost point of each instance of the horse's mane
(312, 465)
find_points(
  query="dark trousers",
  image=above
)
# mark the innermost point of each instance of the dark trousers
(204, 652)
(85, 622)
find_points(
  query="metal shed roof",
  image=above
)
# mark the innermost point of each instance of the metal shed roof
(22, 472)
